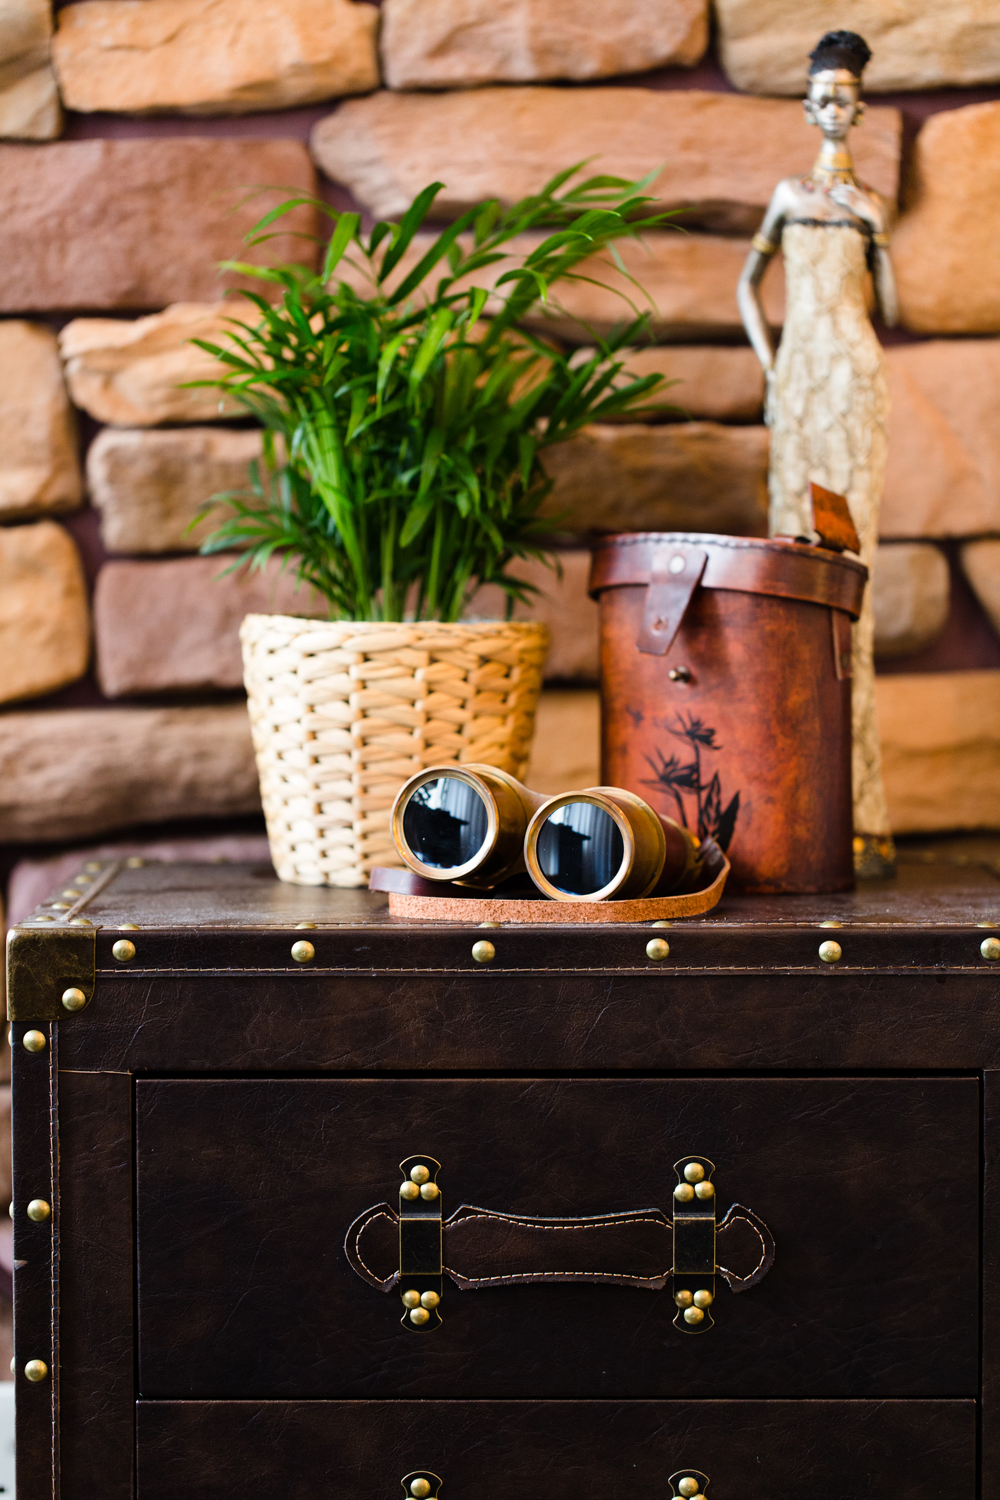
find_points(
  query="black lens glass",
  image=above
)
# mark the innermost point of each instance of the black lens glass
(580, 848)
(444, 823)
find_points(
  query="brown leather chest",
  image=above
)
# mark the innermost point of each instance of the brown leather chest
(335, 1208)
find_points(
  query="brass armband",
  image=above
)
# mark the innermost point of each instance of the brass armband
(763, 245)
(881, 240)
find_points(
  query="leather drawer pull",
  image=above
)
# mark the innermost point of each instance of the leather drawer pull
(482, 1248)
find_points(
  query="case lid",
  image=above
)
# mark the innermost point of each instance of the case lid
(749, 565)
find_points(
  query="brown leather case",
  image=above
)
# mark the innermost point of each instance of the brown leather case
(726, 695)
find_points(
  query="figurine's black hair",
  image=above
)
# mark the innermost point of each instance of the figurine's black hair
(840, 49)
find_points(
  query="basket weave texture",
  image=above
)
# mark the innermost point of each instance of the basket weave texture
(342, 713)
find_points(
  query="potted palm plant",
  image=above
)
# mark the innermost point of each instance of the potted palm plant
(405, 409)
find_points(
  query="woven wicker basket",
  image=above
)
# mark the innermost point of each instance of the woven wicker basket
(343, 713)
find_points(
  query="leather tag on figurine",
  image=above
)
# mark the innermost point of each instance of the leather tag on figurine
(832, 521)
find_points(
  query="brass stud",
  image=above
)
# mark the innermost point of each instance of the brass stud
(657, 949)
(411, 1299)
(419, 1315)
(688, 1487)
(491, 924)
(82, 879)
(93, 865)
(694, 1315)
(694, 1171)
(43, 916)
(683, 1298)
(662, 923)
(35, 1370)
(420, 1174)
(704, 1190)
(73, 999)
(420, 1488)
(430, 1191)
(303, 952)
(124, 951)
(703, 1299)
(684, 1192)
(129, 927)
(38, 1210)
(59, 905)
(409, 1190)
(483, 952)
(990, 948)
(986, 924)
(830, 952)
(429, 1299)
(13, 1366)
(305, 927)
(73, 894)
(831, 922)
(134, 862)
(80, 922)
(34, 1041)
(10, 1208)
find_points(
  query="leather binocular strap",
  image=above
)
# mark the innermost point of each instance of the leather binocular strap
(785, 570)
(484, 1247)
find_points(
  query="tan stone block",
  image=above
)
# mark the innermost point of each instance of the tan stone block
(563, 604)
(912, 595)
(981, 566)
(717, 154)
(916, 44)
(44, 620)
(718, 384)
(173, 626)
(69, 773)
(462, 43)
(566, 750)
(149, 486)
(135, 373)
(689, 476)
(200, 57)
(29, 101)
(138, 223)
(39, 466)
(940, 749)
(943, 474)
(945, 247)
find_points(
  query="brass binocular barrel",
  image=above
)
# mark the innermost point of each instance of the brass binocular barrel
(477, 826)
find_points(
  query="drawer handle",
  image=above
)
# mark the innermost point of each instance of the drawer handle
(689, 1484)
(421, 1485)
(412, 1250)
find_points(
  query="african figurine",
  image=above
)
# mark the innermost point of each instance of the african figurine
(827, 396)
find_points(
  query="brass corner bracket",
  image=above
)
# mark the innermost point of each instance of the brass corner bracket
(48, 970)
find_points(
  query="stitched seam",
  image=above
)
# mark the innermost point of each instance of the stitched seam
(552, 1225)
(763, 1252)
(357, 1245)
(563, 1275)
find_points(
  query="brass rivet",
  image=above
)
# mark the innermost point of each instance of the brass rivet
(683, 1299)
(704, 1190)
(305, 926)
(34, 1041)
(430, 1191)
(419, 1315)
(986, 924)
(420, 1488)
(661, 923)
(831, 922)
(13, 1366)
(10, 1208)
(38, 1210)
(44, 916)
(35, 1370)
(124, 951)
(688, 1487)
(303, 952)
(80, 922)
(830, 952)
(83, 879)
(134, 862)
(93, 866)
(703, 1299)
(420, 1174)
(409, 1190)
(411, 1299)
(990, 948)
(657, 949)
(129, 927)
(73, 894)
(429, 1299)
(491, 924)
(694, 1171)
(59, 905)
(73, 999)
(684, 1192)
(694, 1315)
(483, 952)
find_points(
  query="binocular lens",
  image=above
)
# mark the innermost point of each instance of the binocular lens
(445, 823)
(580, 848)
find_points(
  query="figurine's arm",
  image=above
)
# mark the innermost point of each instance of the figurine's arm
(868, 206)
(885, 281)
(765, 243)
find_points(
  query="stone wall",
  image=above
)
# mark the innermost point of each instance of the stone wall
(133, 135)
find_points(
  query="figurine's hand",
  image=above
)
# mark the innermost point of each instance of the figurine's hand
(860, 204)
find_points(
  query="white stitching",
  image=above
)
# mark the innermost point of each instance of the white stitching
(744, 1218)
(597, 1221)
(357, 1248)
(561, 1275)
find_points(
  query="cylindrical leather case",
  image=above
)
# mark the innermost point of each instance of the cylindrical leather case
(726, 696)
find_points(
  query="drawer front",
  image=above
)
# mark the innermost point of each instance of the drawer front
(246, 1189)
(747, 1450)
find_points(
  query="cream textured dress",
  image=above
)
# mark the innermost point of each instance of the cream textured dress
(828, 407)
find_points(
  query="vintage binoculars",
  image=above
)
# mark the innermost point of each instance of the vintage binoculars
(477, 826)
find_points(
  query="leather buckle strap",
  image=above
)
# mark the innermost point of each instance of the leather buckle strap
(675, 574)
